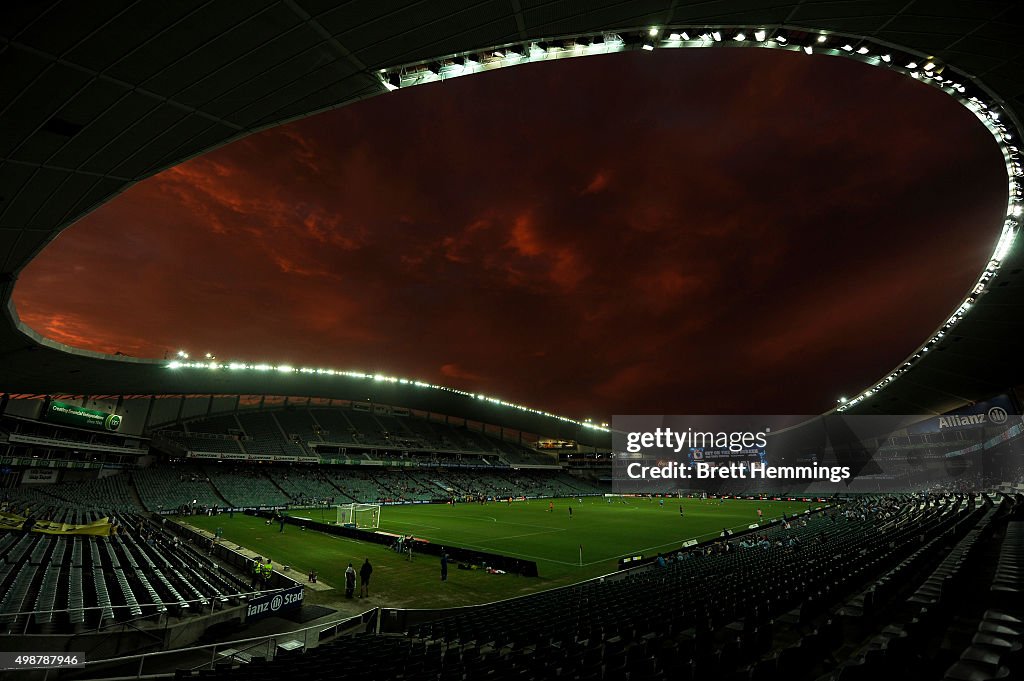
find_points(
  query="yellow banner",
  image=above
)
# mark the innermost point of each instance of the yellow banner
(92, 530)
(10, 521)
(97, 528)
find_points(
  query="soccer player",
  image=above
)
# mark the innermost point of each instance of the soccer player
(760, 514)
(570, 513)
(680, 510)
(551, 507)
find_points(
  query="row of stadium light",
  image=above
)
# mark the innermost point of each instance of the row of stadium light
(921, 68)
(212, 364)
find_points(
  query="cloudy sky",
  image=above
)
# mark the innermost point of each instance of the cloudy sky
(716, 231)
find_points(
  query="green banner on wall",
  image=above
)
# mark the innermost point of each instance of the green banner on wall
(80, 417)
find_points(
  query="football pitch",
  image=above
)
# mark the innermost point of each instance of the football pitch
(605, 530)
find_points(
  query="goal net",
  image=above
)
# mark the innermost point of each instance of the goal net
(363, 516)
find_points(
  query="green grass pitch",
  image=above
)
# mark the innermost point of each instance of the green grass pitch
(606, 531)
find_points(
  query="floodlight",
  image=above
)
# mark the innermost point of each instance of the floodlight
(653, 32)
(822, 38)
(760, 35)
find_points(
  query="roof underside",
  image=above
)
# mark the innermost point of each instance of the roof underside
(97, 96)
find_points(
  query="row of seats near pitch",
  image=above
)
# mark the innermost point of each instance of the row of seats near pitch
(309, 485)
(164, 488)
(707, 616)
(71, 584)
(916, 623)
(246, 487)
(995, 649)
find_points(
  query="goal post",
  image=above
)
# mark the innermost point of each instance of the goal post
(362, 516)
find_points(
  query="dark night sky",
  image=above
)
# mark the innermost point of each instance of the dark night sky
(706, 231)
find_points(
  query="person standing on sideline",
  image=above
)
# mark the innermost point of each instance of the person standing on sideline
(364, 579)
(444, 567)
(350, 581)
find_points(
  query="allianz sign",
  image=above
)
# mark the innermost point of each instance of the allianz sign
(271, 604)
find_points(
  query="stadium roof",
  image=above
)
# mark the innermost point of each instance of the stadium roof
(97, 96)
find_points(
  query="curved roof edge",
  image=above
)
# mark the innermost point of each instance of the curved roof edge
(71, 145)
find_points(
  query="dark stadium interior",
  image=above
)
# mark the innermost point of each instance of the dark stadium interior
(186, 517)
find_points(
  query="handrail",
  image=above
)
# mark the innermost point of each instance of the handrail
(245, 643)
(202, 601)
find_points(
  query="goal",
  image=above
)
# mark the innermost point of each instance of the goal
(363, 516)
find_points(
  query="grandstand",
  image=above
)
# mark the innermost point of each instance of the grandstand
(111, 517)
(140, 574)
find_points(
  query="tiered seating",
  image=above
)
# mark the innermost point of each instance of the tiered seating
(46, 601)
(335, 425)
(298, 422)
(80, 583)
(109, 493)
(17, 598)
(414, 486)
(165, 489)
(995, 650)
(124, 591)
(76, 591)
(525, 456)
(269, 432)
(369, 431)
(222, 424)
(216, 434)
(358, 485)
(246, 487)
(267, 436)
(425, 432)
(307, 486)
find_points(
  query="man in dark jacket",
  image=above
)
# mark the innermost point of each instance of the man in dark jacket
(364, 579)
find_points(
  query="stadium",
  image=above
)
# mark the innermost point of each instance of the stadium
(192, 516)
